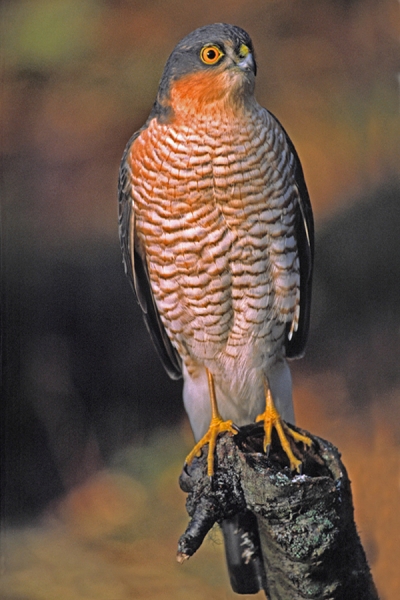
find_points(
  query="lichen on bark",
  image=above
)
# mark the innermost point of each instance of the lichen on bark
(309, 542)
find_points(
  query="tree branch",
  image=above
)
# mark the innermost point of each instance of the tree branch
(308, 539)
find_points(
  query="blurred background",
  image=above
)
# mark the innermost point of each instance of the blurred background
(93, 431)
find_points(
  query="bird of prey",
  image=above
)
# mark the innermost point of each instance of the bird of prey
(217, 237)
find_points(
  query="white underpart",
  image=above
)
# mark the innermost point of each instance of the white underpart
(197, 400)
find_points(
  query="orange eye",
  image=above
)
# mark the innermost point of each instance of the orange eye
(210, 55)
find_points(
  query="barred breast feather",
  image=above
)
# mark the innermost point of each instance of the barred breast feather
(216, 206)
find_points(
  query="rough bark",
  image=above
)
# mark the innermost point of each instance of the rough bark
(309, 542)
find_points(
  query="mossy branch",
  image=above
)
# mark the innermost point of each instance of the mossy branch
(308, 538)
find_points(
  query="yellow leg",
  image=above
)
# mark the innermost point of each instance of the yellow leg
(217, 426)
(272, 419)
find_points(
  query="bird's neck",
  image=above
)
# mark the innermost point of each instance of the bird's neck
(211, 94)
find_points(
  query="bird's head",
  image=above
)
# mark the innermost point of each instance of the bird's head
(213, 64)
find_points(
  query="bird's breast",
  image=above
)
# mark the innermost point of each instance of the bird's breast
(215, 208)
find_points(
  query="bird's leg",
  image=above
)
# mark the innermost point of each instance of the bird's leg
(217, 426)
(272, 419)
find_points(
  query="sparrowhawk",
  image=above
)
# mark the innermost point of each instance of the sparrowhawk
(217, 237)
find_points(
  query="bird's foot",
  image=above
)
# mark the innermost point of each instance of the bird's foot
(273, 420)
(217, 426)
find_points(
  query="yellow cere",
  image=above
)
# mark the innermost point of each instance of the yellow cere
(243, 51)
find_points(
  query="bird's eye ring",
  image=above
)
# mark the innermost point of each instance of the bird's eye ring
(210, 55)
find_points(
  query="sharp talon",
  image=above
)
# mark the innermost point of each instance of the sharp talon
(267, 449)
(217, 426)
(185, 469)
(272, 420)
(235, 427)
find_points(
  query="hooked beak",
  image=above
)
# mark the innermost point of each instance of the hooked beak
(247, 63)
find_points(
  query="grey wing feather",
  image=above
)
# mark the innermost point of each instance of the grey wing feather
(136, 270)
(295, 345)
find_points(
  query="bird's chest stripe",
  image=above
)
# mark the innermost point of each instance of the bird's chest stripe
(217, 223)
(181, 175)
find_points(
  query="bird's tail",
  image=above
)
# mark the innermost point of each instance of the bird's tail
(243, 554)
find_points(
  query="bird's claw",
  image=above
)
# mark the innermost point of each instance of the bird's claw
(273, 420)
(217, 426)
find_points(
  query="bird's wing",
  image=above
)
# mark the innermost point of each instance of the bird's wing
(136, 270)
(296, 343)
